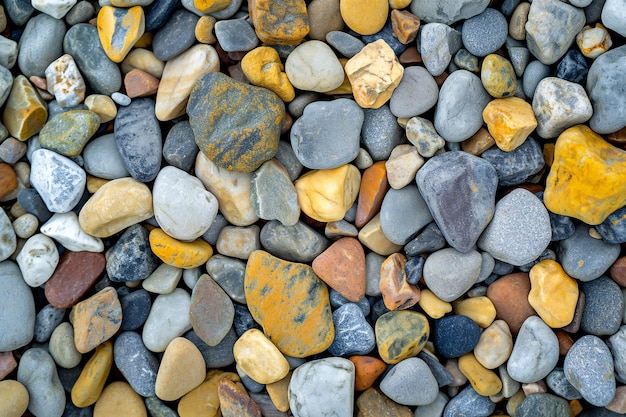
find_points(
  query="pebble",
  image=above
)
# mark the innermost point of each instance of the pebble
(324, 18)
(509, 295)
(397, 292)
(18, 310)
(119, 398)
(484, 33)
(353, 334)
(588, 367)
(510, 121)
(234, 401)
(176, 35)
(468, 402)
(25, 112)
(438, 43)
(557, 382)
(62, 348)
(604, 306)
(543, 404)
(263, 67)
(136, 363)
(612, 16)
(518, 165)
(478, 308)
(169, 308)
(102, 159)
(102, 105)
(180, 149)
(421, 133)
(38, 259)
(397, 226)
(235, 35)
(400, 335)
(41, 44)
(128, 259)
(229, 274)
(374, 185)
(454, 336)
(65, 81)
(494, 345)
(416, 82)
(447, 12)
(297, 243)
(380, 133)
(310, 380)
(37, 372)
(535, 352)
(607, 111)
(346, 44)
(67, 133)
(548, 280)
(89, 385)
(449, 273)
(259, 358)
(181, 370)
(470, 187)
(14, 398)
(498, 76)
(215, 356)
(367, 370)
(47, 319)
(96, 319)
(18, 11)
(211, 311)
(595, 41)
(342, 267)
(372, 403)
(398, 384)
(573, 67)
(313, 66)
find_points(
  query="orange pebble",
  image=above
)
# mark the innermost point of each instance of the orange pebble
(374, 185)
(565, 342)
(367, 369)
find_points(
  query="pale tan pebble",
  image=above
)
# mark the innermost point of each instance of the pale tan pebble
(26, 225)
(514, 402)
(144, 60)
(22, 169)
(181, 370)
(13, 397)
(62, 347)
(402, 165)
(594, 233)
(372, 236)
(17, 210)
(65, 81)
(517, 24)
(94, 183)
(495, 345)
(452, 365)
(119, 399)
(618, 404)
(3, 19)
(103, 106)
(402, 121)
(259, 358)
(239, 242)
(534, 388)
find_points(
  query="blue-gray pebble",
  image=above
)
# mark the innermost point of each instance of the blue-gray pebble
(135, 308)
(346, 44)
(180, 149)
(573, 67)
(337, 300)
(440, 372)
(544, 405)
(609, 109)
(218, 356)
(243, 320)
(381, 132)
(604, 307)
(236, 35)
(46, 321)
(136, 363)
(468, 403)
(518, 165)
(102, 158)
(617, 346)
(557, 382)
(353, 334)
(454, 336)
(298, 243)
(19, 11)
(40, 44)
(485, 33)
(403, 214)
(229, 274)
(159, 12)
(176, 35)
(428, 240)
(534, 72)
(17, 308)
(613, 228)
(131, 259)
(386, 34)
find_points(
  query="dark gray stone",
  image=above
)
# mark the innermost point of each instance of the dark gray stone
(429, 240)
(156, 407)
(337, 300)
(413, 269)
(613, 228)
(19, 11)
(346, 44)
(468, 403)
(72, 411)
(288, 159)
(176, 35)
(40, 44)
(136, 363)
(229, 274)
(381, 132)
(516, 166)
(131, 259)
(215, 356)
(353, 334)
(604, 307)
(454, 336)
(386, 34)
(573, 67)
(236, 35)
(47, 319)
(180, 149)
(159, 12)
(243, 320)
(135, 308)
(440, 372)
(299, 243)
(557, 382)
(403, 214)
(81, 12)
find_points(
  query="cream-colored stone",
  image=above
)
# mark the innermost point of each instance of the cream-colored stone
(182, 369)
(259, 358)
(144, 60)
(103, 106)
(402, 165)
(495, 345)
(372, 236)
(13, 398)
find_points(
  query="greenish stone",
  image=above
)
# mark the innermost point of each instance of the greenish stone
(156, 408)
(236, 125)
(67, 133)
(401, 334)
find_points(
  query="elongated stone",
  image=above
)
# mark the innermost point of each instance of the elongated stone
(211, 312)
(273, 195)
(25, 112)
(65, 81)
(41, 43)
(90, 383)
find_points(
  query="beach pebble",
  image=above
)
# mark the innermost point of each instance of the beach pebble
(353, 335)
(47, 319)
(454, 336)
(535, 352)
(380, 133)
(37, 372)
(607, 69)
(518, 165)
(119, 398)
(494, 345)
(297, 243)
(448, 11)
(390, 330)
(88, 387)
(38, 259)
(172, 309)
(617, 346)
(603, 304)
(543, 404)
(138, 365)
(102, 158)
(63, 193)
(416, 82)
(468, 402)
(18, 310)
(313, 66)
(259, 358)
(62, 348)
(613, 16)
(14, 398)
(484, 33)
(235, 35)
(398, 384)
(42, 43)
(399, 227)
(8, 241)
(449, 273)
(421, 133)
(438, 43)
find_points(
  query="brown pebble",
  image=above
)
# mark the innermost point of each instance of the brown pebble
(617, 138)
(7, 364)
(618, 404)
(76, 273)
(618, 271)
(372, 403)
(139, 83)
(405, 25)
(204, 30)
(374, 186)
(287, 123)
(397, 293)
(410, 56)
(237, 55)
(96, 319)
(8, 180)
(565, 341)
(324, 17)
(479, 142)
(509, 295)
(236, 73)
(441, 78)
(39, 82)
(234, 402)
(342, 267)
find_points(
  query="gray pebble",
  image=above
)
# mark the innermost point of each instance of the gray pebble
(604, 307)
(438, 43)
(373, 262)
(102, 158)
(136, 363)
(606, 73)
(229, 274)
(535, 352)
(557, 382)
(542, 404)
(381, 132)
(485, 33)
(346, 44)
(235, 35)
(81, 12)
(617, 346)
(180, 149)
(17, 309)
(37, 371)
(215, 356)
(403, 213)
(447, 11)
(534, 72)
(400, 382)
(40, 44)
(416, 94)
(299, 243)
(288, 159)
(59, 181)
(176, 36)
(468, 403)
(353, 334)
(449, 273)
(47, 319)
(8, 53)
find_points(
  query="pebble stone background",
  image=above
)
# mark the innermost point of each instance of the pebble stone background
(325, 208)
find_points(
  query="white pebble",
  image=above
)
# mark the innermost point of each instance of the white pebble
(26, 225)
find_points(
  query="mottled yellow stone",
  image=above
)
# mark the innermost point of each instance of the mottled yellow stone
(263, 68)
(495, 345)
(25, 112)
(401, 334)
(484, 381)
(118, 204)
(374, 74)
(89, 385)
(479, 309)
(179, 254)
(259, 358)
(96, 319)
(211, 6)
(593, 41)
(119, 29)
(204, 30)
(145, 60)
(365, 17)
(578, 184)
(372, 236)
(203, 400)
(510, 121)
(279, 22)
(498, 76)
(103, 106)
(327, 194)
(432, 305)
(13, 398)
(182, 369)
(553, 293)
(279, 393)
(119, 399)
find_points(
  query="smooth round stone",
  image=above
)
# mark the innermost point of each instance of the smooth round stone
(13, 398)
(398, 384)
(102, 159)
(485, 33)
(81, 12)
(138, 365)
(509, 294)
(62, 348)
(19, 11)
(604, 307)
(37, 372)
(400, 334)
(327, 135)
(83, 44)
(449, 273)
(311, 380)
(606, 72)
(17, 310)
(346, 44)
(38, 259)
(229, 274)
(243, 320)
(588, 367)
(138, 139)
(229, 11)
(59, 181)
(448, 11)
(518, 165)
(238, 242)
(381, 132)
(613, 16)
(398, 225)
(584, 257)
(118, 398)
(533, 74)
(558, 383)
(47, 319)
(8, 240)
(31, 201)
(176, 35)
(181, 370)
(130, 258)
(353, 334)
(299, 243)
(235, 35)
(180, 149)
(454, 336)
(469, 403)
(495, 345)
(313, 66)
(163, 279)
(498, 76)
(508, 236)
(40, 44)
(438, 42)
(519, 57)
(219, 356)
(259, 358)
(542, 404)
(168, 319)
(25, 225)
(416, 82)
(535, 352)
(135, 309)
(455, 118)
(211, 311)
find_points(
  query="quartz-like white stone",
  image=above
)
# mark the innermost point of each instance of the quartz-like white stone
(163, 280)
(65, 229)
(55, 8)
(8, 240)
(168, 319)
(38, 259)
(65, 82)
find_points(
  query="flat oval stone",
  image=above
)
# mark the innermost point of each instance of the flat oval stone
(186, 255)
(62, 348)
(483, 380)
(236, 35)
(47, 319)
(239, 143)
(180, 149)
(229, 274)
(588, 367)
(469, 402)
(37, 372)
(18, 310)
(68, 132)
(158, 13)
(59, 181)
(259, 358)
(96, 319)
(38, 259)
(604, 74)
(544, 404)
(548, 280)
(448, 11)
(509, 295)
(303, 330)
(416, 82)
(603, 304)
(83, 44)
(102, 159)
(181, 370)
(353, 334)
(400, 334)
(558, 383)
(76, 273)
(41, 43)
(381, 132)
(398, 381)
(168, 319)
(518, 165)
(138, 138)
(297, 243)
(211, 311)
(498, 76)
(135, 308)
(495, 345)
(449, 273)
(176, 35)
(13, 398)
(136, 363)
(313, 66)
(454, 336)
(398, 225)
(90, 383)
(535, 352)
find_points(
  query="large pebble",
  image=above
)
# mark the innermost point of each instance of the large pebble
(118, 398)
(135, 309)
(603, 304)
(211, 311)
(548, 280)
(119, 29)
(41, 43)
(59, 181)
(65, 81)
(509, 295)
(484, 33)
(181, 370)
(68, 132)
(454, 336)
(18, 309)
(136, 363)
(229, 274)
(176, 35)
(25, 112)
(605, 73)
(495, 345)
(448, 11)
(401, 334)
(297, 243)
(96, 319)
(273, 195)
(259, 358)
(38, 259)
(381, 132)
(469, 403)
(37, 372)
(438, 43)
(416, 82)
(129, 259)
(535, 352)
(102, 159)
(543, 404)
(8, 239)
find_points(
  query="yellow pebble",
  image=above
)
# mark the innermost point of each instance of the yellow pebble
(259, 358)
(94, 183)
(432, 305)
(279, 22)
(13, 398)
(103, 106)
(549, 282)
(484, 381)
(119, 30)
(90, 383)
(204, 30)
(365, 17)
(119, 399)
(510, 121)
(479, 309)
(144, 60)
(399, 4)
(263, 68)
(515, 401)
(326, 195)
(498, 76)
(401, 334)
(179, 254)
(593, 42)
(25, 112)
(144, 41)
(279, 393)
(211, 6)
(203, 400)
(578, 185)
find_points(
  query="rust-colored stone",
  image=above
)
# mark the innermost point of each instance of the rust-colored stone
(509, 295)
(342, 267)
(7, 364)
(405, 25)
(410, 56)
(618, 271)
(8, 180)
(565, 341)
(374, 186)
(397, 293)
(76, 273)
(139, 83)
(234, 402)
(367, 369)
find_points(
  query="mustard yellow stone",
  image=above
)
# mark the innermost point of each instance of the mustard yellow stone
(94, 183)
(432, 305)
(263, 68)
(510, 121)
(400, 334)
(553, 293)
(144, 41)
(90, 383)
(279, 393)
(479, 309)
(103, 106)
(119, 399)
(179, 254)
(279, 22)
(399, 4)
(182, 369)
(372, 236)
(25, 112)
(484, 381)
(204, 30)
(498, 76)
(259, 358)
(374, 73)
(327, 194)
(13, 398)
(211, 6)
(365, 17)
(587, 179)
(119, 29)
(203, 400)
